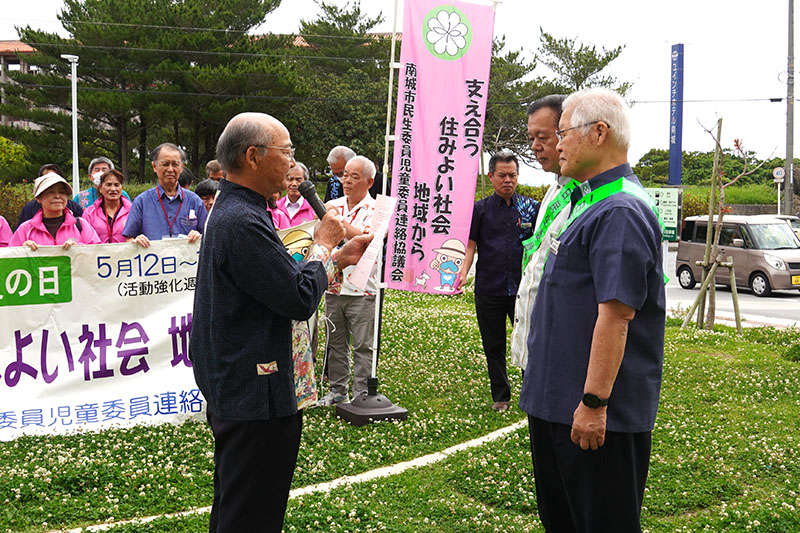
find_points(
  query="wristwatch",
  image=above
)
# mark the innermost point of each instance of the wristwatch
(593, 401)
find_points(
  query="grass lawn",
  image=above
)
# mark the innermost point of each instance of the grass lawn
(725, 447)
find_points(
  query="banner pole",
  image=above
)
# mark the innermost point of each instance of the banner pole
(382, 285)
(370, 406)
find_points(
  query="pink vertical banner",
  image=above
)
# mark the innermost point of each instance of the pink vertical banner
(441, 101)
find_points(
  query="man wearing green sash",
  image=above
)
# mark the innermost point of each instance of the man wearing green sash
(543, 117)
(596, 348)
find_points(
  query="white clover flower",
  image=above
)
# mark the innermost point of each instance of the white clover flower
(447, 33)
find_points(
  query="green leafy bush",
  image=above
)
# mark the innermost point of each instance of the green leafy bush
(695, 203)
(12, 198)
(14, 164)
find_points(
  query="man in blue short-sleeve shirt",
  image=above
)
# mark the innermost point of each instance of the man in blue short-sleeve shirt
(593, 377)
(167, 210)
(499, 225)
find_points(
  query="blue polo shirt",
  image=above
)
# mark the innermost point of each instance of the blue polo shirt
(164, 218)
(499, 229)
(611, 252)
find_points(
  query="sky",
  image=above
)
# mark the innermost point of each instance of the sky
(735, 58)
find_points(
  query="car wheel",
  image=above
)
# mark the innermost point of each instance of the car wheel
(686, 278)
(759, 284)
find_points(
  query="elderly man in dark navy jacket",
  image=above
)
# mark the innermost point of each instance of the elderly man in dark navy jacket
(249, 289)
(593, 378)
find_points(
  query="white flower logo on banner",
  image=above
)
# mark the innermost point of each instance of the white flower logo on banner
(447, 33)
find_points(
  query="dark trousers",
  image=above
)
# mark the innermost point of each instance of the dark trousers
(492, 312)
(585, 490)
(253, 466)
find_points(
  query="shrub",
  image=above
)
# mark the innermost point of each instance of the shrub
(695, 204)
(12, 198)
(537, 193)
(14, 164)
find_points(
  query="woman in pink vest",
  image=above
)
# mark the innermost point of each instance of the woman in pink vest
(54, 223)
(5, 232)
(279, 218)
(108, 214)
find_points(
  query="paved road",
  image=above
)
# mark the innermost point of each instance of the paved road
(782, 308)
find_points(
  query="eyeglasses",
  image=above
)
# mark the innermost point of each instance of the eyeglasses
(283, 149)
(560, 133)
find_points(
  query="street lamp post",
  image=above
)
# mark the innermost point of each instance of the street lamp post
(788, 184)
(73, 61)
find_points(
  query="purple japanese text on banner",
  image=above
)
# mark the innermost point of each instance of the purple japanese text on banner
(441, 104)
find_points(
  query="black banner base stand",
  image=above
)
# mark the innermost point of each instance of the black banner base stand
(370, 407)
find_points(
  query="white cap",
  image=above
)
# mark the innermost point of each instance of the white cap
(46, 181)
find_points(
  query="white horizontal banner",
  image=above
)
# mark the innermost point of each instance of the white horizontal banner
(96, 337)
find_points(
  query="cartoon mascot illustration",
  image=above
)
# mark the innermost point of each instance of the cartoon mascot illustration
(298, 243)
(448, 262)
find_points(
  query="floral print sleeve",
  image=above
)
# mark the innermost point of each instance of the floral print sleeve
(305, 383)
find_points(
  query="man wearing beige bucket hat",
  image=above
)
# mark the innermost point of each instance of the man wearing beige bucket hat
(54, 224)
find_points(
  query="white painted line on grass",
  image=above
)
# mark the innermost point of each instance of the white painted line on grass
(402, 467)
(330, 485)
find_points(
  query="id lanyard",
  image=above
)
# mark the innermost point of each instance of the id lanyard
(556, 205)
(170, 224)
(113, 220)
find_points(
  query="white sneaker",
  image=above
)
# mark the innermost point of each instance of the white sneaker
(332, 398)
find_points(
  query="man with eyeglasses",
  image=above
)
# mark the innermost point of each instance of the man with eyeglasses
(543, 117)
(167, 210)
(249, 289)
(593, 378)
(337, 159)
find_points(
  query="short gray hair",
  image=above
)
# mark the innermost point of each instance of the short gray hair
(157, 150)
(237, 137)
(301, 166)
(340, 152)
(367, 166)
(599, 104)
(100, 159)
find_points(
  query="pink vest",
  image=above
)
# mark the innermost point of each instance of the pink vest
(279, 219)
(304, 214)
(95, 216)
(34, 230)
(5, 232)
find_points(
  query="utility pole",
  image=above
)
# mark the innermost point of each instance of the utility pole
(788, 182)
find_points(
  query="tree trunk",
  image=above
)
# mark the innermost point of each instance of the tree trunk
(144, 155)
(195, 159)
(177, 130)
(123, 146)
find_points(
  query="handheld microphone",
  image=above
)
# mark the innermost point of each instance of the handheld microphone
(309, 192)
